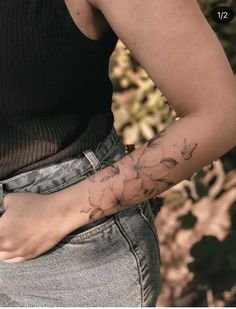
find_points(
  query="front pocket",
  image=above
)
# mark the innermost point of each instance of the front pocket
(87, 231)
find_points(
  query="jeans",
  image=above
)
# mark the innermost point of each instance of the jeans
(114, 261)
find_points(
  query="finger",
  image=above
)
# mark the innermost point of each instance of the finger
(14, 260)
(7, 255)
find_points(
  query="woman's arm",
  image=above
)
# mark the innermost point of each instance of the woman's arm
(174, 43)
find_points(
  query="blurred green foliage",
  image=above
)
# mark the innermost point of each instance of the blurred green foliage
(141, 111)
(214, 264)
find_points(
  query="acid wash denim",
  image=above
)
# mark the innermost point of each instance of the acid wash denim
(114, 261)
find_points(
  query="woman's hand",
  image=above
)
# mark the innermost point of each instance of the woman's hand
(30, 226)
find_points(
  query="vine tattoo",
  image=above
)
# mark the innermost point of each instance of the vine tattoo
(137, 170)
(112, 171)
(152, 142)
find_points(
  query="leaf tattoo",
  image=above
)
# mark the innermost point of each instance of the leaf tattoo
(149, 192)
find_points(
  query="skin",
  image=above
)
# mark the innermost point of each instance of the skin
(184, 58)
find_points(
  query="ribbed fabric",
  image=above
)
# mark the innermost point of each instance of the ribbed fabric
(55, 91)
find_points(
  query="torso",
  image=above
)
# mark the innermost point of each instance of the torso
(55, 92)
(88, 19)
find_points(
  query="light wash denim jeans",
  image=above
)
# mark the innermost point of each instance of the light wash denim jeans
(114, 261)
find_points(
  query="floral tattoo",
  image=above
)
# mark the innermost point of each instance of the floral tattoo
(115, 197)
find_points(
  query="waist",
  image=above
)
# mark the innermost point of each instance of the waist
(37, 144)
(102, 151)
(57, 176)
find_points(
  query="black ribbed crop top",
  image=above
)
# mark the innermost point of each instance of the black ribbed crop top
(55, 91)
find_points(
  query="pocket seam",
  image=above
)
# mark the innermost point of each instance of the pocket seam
(132, 250)
(153, 231)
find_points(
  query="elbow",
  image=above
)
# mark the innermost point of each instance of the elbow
(221, 120)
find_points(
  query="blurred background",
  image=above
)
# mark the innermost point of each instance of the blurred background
(196, 219)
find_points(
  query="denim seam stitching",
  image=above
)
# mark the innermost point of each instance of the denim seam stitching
(125, 235)
(2, 206)
(155, 234)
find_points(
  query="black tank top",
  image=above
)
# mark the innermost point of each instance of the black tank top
(55, 91)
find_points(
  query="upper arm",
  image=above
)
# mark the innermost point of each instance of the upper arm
(174, 43)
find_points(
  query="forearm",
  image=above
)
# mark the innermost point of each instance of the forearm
(175, 154)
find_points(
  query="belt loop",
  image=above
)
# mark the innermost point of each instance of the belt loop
(90, 155)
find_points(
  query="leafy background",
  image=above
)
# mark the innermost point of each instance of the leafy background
(196, 219)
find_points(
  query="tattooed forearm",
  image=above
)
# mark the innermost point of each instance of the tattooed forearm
(117, 200)
(152, 179)
(112, 171)
(162, 162)
(137, 170)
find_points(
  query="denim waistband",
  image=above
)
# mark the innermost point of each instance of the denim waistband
(64, 172)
